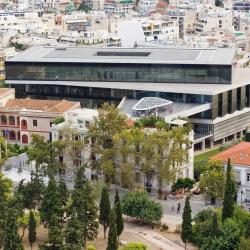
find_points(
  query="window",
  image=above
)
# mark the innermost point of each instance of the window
(248, 177)
(35, 123)
(87, 123)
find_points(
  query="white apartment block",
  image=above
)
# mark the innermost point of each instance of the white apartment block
(160, 30)
(29, 22)
(214, 20)
(119, 7)
(147, 6)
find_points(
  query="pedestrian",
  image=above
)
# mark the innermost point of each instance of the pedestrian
(172, 208)
(179, 208)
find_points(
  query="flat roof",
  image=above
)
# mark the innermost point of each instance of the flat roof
(206, 56)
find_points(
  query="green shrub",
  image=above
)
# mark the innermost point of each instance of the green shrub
(58, 120)
(91, 247)
(164, 227)
(183, 183)
(139, 206)
(134, 246)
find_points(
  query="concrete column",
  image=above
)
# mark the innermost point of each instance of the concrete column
(184, 98)
(235, 136)
(112, 93)
(211, 143)
(203, 145)
(90, 91)
(241, 134)
(134, 94)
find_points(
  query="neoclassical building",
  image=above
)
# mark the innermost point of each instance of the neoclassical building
(20, 118)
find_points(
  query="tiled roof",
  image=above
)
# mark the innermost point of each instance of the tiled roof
(55, 106)
(238, 154)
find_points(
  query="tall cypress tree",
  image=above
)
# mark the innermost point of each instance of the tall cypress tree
(112, 238)
(55, 235)
(118, 210)
(104, 210)
(214, 226)
(51, 203)
(186, 228)
(247, 231)
(229, 195)
(12, 239)
(83, 201)
(73, 233)
(63, 191)
(32, 229)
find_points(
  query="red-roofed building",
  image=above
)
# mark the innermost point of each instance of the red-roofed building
(240, 159)
(20, 118)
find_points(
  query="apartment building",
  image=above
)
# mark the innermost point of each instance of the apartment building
(160, 30)
(119, 7)
(213, 20)
(147, 6)
(78, 120)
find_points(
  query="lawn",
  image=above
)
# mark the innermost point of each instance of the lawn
(205, 156)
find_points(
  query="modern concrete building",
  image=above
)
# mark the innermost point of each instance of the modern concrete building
(204, 84)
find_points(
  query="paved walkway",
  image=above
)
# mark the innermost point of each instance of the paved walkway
(153, 237)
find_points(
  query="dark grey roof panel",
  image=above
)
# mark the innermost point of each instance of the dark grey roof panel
(215, 56)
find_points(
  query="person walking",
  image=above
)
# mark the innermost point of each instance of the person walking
(179, 208)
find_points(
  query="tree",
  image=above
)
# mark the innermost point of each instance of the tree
(39, 152)
(109, 122)
(118, 211)
(51, 203)
(247, 232)
(73, 233)
(214, 227)
(68, 146)
(212, 182)
(55, 234)
(186, 228)
(104, 210)
(244, 244)
(228, 239)
(112, 237)
(83, 202)
(32, 229)
(168, 151)
(5, 188)
(63, 191)
(31, 192)
(12, 240)
(229, 196)
(139, 206)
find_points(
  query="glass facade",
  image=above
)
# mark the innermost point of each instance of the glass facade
(108, 72)
(88, 95)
